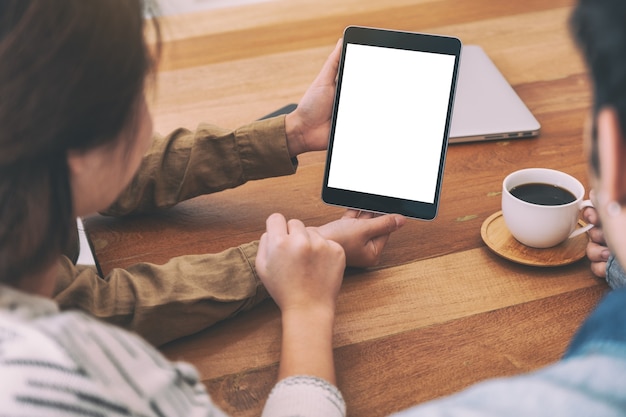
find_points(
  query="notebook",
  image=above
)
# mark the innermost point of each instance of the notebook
(486, 107)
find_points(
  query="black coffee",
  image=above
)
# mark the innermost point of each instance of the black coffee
(543, 194)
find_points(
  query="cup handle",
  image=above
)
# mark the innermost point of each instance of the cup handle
(584, 204)
(581, 206)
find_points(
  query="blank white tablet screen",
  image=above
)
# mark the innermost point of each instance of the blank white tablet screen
(390, 122)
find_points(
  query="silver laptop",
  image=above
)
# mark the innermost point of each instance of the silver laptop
(486, 107)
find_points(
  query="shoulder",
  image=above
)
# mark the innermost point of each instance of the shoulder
(604, 331)
(73, 361)
(31, 359)
(578, 387)
(27, 341)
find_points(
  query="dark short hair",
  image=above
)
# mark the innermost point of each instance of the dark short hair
(599, 29)
(71, 73)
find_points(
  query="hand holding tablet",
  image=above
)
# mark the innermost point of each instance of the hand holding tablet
(391, 120)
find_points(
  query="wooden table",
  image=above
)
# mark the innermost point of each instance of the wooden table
(442, 311)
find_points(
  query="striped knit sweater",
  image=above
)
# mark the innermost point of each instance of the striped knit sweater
(56, 363)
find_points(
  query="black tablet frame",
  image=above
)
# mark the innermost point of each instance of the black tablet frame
(399, 40)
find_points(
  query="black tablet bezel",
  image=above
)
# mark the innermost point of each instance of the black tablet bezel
(398, 40)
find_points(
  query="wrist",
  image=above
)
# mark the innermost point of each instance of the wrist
(314, 316)
(293, 132)
(307, 343)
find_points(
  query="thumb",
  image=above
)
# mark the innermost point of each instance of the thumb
(384, 225)
(328, 74)
(378, 234)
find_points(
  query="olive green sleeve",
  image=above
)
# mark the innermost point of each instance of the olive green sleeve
(164, 302)
(186, 164)
(188, 293)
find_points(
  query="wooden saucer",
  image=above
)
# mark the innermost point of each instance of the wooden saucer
(498, 238)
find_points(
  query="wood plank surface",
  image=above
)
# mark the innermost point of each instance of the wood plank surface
(387, 301)
(389, 374)
(441, 311)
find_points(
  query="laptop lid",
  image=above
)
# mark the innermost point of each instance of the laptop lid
(486, 107)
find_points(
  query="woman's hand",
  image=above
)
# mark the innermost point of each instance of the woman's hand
(302, 271)
(308, 126)
(362, 235)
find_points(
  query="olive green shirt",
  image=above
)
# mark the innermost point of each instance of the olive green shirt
(189, 293)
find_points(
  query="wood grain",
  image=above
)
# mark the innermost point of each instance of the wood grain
(385, 375)
(387, 301)
(441, 311)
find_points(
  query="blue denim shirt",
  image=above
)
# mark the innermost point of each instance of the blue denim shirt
(615, 275)
(590, 380)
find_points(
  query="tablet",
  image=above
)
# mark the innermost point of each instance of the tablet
(390, 122)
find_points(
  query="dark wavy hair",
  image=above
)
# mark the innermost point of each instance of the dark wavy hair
(599, 29)
(71, 73)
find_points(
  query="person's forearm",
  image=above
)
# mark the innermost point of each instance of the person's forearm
(186, 164)
(165, 302)
(307, 347)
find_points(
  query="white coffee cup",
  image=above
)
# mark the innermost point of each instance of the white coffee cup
(541, 225)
